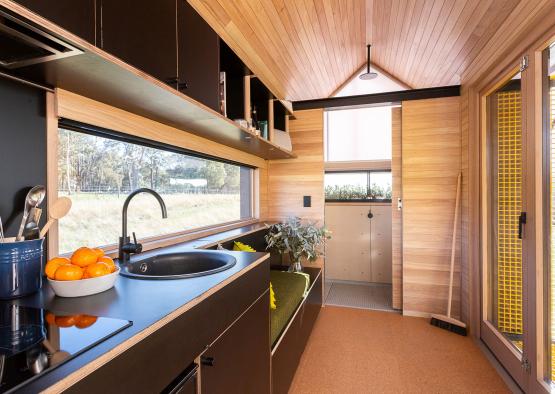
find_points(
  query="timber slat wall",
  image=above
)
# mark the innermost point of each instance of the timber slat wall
(396, 214)
(289, 180)
(431, 149)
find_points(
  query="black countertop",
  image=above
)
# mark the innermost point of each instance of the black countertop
(144, 302)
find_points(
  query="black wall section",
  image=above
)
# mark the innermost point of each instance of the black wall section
(22, 149)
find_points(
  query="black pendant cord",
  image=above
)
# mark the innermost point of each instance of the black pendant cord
(368, 59)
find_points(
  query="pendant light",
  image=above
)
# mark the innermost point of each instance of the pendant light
(368, 75)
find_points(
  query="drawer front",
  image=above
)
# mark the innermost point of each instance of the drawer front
(152, 364)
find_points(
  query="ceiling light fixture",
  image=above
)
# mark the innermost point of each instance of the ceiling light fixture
(368, 75)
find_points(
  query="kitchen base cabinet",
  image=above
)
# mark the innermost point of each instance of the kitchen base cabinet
(239, 361)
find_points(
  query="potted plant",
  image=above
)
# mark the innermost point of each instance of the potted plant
(300, 241)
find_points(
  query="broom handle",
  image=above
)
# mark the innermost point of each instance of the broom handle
(454, 244)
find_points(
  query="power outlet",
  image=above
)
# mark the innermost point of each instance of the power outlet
(307, 201)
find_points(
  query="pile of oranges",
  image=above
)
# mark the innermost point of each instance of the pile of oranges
(85, 263)
(79, 321)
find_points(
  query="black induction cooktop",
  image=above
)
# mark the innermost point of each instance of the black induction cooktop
(34, 341)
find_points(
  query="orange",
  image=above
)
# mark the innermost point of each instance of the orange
(97, 269)
(50, 318)
(68, 272)
(109, 262)
(84, 256)
(53, 264)
(99, 252)
(66, 321)
(84, 321)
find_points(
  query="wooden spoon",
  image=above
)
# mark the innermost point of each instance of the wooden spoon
(58, 210)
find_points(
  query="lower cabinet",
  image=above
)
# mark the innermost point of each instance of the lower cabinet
(239, 360)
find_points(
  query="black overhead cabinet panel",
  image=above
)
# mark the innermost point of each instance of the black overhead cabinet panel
(76, 16)
(198, 57)
(143, 34)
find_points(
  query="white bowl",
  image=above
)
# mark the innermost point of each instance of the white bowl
(84, 287)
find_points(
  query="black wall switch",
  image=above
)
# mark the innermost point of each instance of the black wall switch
(307, 201)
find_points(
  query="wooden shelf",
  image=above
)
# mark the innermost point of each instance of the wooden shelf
(100, 76)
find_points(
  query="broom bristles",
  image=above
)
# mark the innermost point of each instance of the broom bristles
(449, 324)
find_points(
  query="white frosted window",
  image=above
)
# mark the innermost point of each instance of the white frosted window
(358, 134)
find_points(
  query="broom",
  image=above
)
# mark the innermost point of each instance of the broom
(442, 321)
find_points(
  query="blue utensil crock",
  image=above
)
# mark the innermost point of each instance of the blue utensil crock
(20, 268)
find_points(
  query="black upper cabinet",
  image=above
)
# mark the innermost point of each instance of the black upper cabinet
(198, 57)
(143, 34)
(76, 16)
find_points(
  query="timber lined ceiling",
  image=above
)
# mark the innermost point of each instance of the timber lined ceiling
(305, 49)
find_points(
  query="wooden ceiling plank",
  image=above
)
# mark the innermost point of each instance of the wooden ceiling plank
(416, 41)
(394, 43)
(282, 24)
(497, 13)
(341, 7)
(523, 17)
(393, 23)
(320, 31)
(442, 33)
(406, 17)
(433, 20)
(273, 41)
(311, 45)
(460, 33)
(412, 23)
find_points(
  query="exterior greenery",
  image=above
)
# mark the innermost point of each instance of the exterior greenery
(355, 192)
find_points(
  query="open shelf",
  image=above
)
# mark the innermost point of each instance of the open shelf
(103, 77)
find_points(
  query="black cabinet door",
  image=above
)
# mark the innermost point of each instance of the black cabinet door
(239, 361)
(198, 57)
(143, 34)
(76, 16)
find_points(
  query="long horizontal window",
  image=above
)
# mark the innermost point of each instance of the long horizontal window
(358, 186)
(98, 173)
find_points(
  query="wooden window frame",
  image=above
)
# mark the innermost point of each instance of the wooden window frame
(63, 104)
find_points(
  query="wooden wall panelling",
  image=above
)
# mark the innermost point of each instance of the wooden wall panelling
(431, 151)
(290, 180)
(396, 214)
(82, 109)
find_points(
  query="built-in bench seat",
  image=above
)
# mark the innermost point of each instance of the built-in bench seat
(289, 289)
(295, 315)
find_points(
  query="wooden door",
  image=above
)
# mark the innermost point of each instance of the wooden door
(76, 16)
(143, 34)
(431, 151)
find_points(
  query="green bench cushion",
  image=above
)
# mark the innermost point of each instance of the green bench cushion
(289, 289)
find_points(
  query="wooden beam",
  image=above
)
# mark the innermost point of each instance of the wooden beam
(378, 98)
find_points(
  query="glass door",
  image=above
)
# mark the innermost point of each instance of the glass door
(504, 326)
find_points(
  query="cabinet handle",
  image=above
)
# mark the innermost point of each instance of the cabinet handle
(370, 215)
(521, 223)
(207, 361)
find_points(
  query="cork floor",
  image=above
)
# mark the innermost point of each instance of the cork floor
(362, 351)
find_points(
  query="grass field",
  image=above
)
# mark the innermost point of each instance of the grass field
(95, 219)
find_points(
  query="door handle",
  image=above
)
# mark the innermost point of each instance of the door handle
(370, 215)
(521, 223)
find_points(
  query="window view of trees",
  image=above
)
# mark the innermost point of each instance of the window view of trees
(98, 173)
(364, 185)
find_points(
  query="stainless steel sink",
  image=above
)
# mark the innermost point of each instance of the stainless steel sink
(178, 265)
